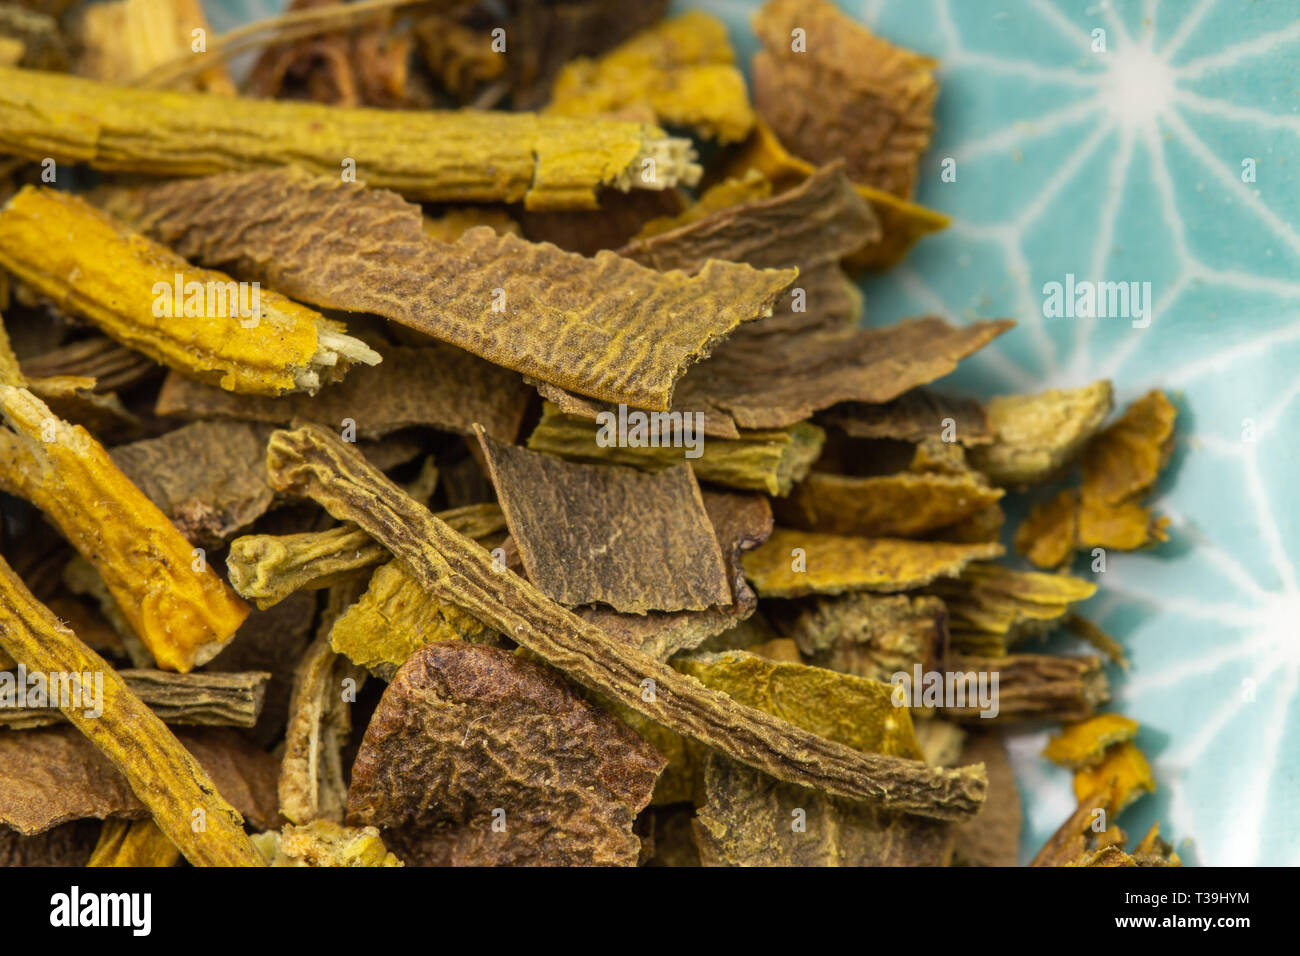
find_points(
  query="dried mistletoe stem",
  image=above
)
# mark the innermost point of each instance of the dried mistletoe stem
(311, 461)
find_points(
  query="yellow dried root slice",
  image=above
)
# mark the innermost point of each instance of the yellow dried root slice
(395, 618)
(178, 606)
(992, 608)
(324, 843)
(1085, 744)
(1038, 435)
(449, 566)
(133, 843)
(1050, 532)
(902, 223)
(1123, 462)
(603, 326)
(1126, 527)
(902, 505)
(160, 771)
(1062, 687)
(681, 70)
(1123, 774)
(852, 710)
(873, 635)
(792, 563)
(200, 322)
(769, 461)
(267, 568)
(466, 156)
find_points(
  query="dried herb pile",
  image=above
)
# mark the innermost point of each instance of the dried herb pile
(387, 481)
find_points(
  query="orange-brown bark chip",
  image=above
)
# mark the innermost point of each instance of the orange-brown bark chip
(830, 88)
(475, 757)
(603, 327)
(609, 534)
(914, 416)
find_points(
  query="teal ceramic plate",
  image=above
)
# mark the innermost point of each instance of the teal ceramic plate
(1170, 158)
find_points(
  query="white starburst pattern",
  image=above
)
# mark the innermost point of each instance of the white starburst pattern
(1135, 101)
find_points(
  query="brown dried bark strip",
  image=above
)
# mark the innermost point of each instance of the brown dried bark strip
(547, 162)
(847, 93)
(873, 635)
(793, 563)
(557, 316)
(157, 767)
(1035, 687)
(69, 844)
(54, 774)
(747, 815)
(991, 837)
(435, 385)
(311, 461)
(463, 730)
(914, 416)
(903, 505)
(184, 616)
(233, 700)
(607, 534)
(267, 568)
(209, 478)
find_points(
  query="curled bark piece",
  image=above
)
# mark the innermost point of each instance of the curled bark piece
(608, 534)
(556, 316)
(233, 700)
(769, 461)
(182, 610)
(434, 385)
(452, 568)
(1084, 744)
(1123, 462)
(144, 295)
(471, 740)
(158, 768)
(681, 71)
(1050, 532)
(747, 821)
(547, 162)
(846, 93)
(793, 563)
